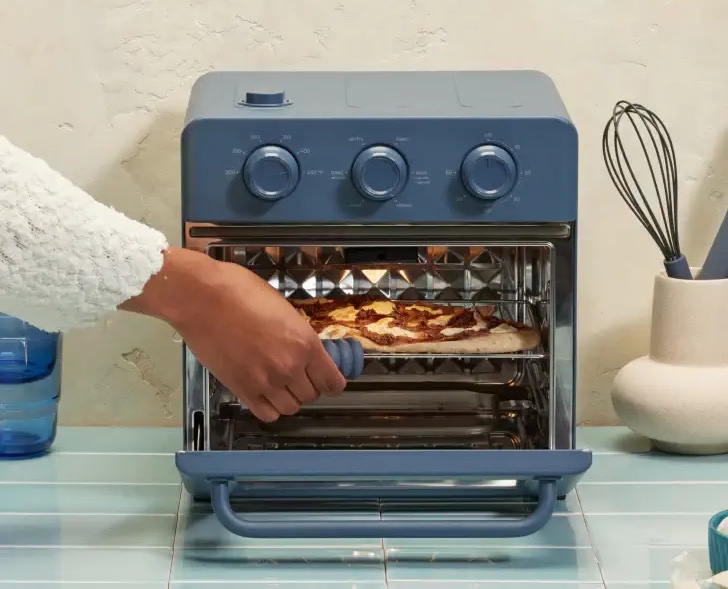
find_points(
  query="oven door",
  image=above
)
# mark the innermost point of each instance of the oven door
(536, 478)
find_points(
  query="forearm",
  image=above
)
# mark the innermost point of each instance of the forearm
(66, 260)
(175, 293)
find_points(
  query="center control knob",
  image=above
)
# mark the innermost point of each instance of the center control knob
(488, 172)
(379, 173)
(271, 172)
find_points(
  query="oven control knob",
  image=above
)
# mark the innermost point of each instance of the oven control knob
(488, 172)
(271, 172)
(379, 173)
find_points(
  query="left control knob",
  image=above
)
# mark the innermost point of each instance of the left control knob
(271, 172)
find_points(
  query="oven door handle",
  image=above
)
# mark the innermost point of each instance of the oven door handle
(456, 528)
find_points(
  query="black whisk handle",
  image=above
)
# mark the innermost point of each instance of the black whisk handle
(678, 268)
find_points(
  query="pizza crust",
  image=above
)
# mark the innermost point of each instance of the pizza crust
(488, 343)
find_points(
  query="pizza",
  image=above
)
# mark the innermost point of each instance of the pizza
(416, 327)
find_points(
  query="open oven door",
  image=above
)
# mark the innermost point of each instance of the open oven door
(540, 477)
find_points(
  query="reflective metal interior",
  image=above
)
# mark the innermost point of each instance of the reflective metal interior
(404, 401)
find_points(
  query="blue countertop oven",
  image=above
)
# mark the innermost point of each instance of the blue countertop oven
(447, 187)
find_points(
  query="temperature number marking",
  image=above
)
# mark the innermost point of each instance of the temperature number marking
(231, 172)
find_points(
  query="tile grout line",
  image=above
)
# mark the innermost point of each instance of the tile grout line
(174, 537)
(384, 548)
(591, 540)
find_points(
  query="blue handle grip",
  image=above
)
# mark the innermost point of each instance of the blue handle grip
(678, 268)
(459, 528)
(347, 354)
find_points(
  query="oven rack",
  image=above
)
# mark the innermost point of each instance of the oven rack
(383, 420)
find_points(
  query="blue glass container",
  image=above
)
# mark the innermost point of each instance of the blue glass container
(30, 388)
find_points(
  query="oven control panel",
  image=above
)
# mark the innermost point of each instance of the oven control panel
(387, 151)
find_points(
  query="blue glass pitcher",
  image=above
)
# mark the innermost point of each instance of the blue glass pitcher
(30, 388)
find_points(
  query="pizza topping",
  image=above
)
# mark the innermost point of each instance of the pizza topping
(504, 328)
(333, 332)
(466, 318)
(380, 307)
(387, 323)
(344, 315)
(426, 310)
(385, 327)
(382, 339)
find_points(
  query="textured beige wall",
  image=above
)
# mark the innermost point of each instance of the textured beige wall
(99, 87)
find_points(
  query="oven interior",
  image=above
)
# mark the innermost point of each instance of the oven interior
(479, 401)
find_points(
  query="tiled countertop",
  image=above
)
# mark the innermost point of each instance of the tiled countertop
(106, 507)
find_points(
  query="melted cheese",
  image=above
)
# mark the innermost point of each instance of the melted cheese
(480, 325)
(380, 307)
(503, 328)
(333, 332)
(344, 314)
(382, 327)
(439, 321)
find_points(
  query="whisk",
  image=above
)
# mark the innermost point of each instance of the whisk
(657, 149)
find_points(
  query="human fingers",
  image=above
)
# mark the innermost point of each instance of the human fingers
(323, 373)
(283, 401)
(262, 408)
(303, 389)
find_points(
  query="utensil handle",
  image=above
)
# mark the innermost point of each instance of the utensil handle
(716, 262)
(678, 268)
(425, 528)
(347, 354)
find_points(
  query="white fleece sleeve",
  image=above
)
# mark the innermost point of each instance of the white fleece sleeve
(66, 260)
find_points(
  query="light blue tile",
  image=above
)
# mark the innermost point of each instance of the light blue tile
(283, 585)
(72, 585)
(489, 585)
(610, 439)
(84, 565)
(624, 563)
(635, 498)
(203, 530)
(88, 530)
(656, 467)
(135, 440)
(313, 566)
(648, 530)
(562, 531)
(99, 498)
(647, 585)
(77, 468)
(498, 564)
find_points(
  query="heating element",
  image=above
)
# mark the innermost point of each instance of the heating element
(451, 187)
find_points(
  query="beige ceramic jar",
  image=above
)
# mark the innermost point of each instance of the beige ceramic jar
(677, 396)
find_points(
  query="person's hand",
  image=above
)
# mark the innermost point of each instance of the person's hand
(243, 331)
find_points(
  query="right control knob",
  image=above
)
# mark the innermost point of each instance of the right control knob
(488, 172)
